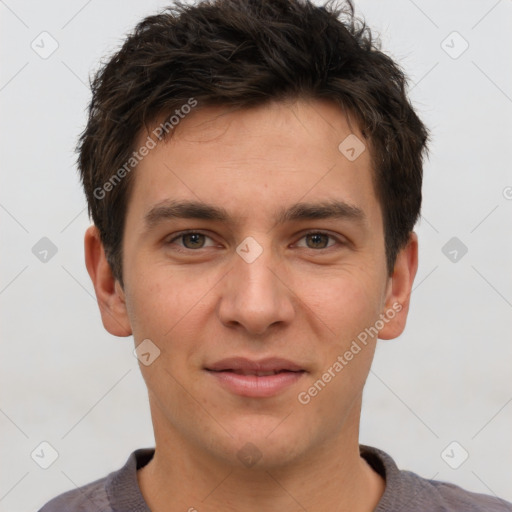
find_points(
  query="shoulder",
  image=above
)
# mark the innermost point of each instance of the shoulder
(407, 491)
(446, 497)
(88, 498)
(117, 491)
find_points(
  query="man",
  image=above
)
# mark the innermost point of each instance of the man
(253, 170)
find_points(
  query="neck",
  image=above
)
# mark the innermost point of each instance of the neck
(332, 477)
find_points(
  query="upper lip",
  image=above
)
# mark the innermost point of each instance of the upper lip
(242, 364)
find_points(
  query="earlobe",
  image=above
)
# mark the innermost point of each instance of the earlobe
(109, 293)
(399, 290)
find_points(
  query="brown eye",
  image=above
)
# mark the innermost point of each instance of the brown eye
(193, 240)
(190, 240)
(317, 240)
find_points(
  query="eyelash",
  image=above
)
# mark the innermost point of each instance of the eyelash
(191, 231)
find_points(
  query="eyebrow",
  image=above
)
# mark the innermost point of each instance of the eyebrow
(172, 209)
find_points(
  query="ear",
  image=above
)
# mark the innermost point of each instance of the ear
(109, 293)
(398, 291)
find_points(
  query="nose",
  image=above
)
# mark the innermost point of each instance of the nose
(255, 296)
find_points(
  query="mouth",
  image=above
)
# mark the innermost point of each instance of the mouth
(244, 366)
(256, 373)
(257, 379)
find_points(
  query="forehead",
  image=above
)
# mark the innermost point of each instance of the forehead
(252, 161)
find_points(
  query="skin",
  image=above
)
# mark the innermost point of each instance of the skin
(298, 300)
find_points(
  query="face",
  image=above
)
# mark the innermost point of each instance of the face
(253, 259)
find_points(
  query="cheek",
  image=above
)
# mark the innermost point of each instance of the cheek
(345, 301)
(168, 307)
(348, 309)
(155, 297)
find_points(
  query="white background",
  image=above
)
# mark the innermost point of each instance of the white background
(66, 381)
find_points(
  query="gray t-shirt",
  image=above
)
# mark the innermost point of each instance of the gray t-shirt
(405, 491)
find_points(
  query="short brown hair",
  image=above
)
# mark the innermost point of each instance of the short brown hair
(244, 53)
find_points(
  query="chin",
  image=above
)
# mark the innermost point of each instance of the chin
(263, 443)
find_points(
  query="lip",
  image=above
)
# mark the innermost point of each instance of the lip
(257, 379)
(242, 364)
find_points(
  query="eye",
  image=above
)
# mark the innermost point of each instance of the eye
(318, 240)
(191, 240)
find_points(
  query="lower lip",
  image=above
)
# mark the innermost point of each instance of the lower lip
(256, 386)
